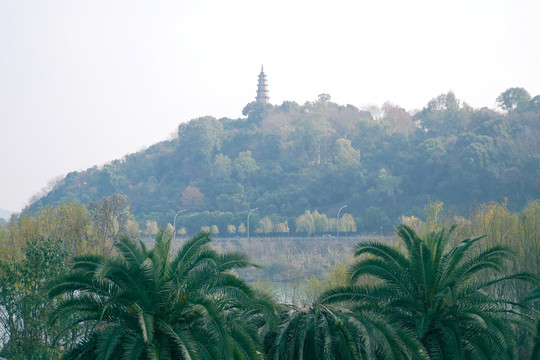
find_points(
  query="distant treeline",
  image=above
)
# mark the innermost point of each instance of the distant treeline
(288, 159)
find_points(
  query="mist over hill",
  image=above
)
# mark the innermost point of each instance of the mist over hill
(320, 156)
(5, 214)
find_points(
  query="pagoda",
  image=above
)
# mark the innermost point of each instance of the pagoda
(262, 89)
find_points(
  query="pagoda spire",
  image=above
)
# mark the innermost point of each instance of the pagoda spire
(262, 88)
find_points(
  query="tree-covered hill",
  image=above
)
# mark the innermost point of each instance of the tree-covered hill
(290, 158)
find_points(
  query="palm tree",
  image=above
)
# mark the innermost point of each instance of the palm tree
(145, 304)
(438, 291)
(534, 299)
(324, 331)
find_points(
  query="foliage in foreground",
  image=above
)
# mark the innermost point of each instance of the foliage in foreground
(440, 292)
(430, 296)
(147, 304)
(535, 299)
(330, 331)
(24, 306)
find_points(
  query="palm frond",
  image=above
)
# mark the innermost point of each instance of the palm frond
(141, 304)
(131, 252)
(188, 250)
(383, 252)
(408, 236)
(109, 342)
(134, 347)
(358, 294)
(380, 269)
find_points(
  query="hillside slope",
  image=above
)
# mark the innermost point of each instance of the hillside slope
(319, 156)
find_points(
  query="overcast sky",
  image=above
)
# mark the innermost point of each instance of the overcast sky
(84, 82)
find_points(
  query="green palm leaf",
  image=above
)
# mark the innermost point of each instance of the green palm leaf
(148, 304)
(438, 292)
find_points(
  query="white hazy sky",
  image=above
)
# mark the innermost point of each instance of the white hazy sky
(83, 82)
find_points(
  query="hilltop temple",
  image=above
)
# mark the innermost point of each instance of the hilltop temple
(262, 89)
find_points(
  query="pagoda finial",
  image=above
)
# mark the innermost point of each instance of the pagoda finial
(262, 88)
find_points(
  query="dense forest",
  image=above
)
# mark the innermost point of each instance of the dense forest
(293, 160)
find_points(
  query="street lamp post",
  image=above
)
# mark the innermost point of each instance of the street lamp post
(250, 211)
(337, 222)
(174, 221)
